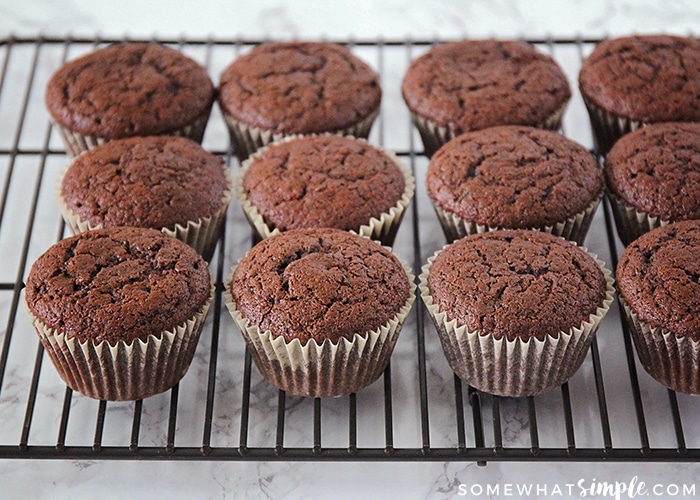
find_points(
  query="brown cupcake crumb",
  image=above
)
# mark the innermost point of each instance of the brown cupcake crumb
(299, 88)
(516, 284)
(117, 284)
(514, 177)
(155, 182)
(646, 78)
(321, 284)
(322, 181)
(129, 89)
(475, 84)
(659, 277)
(657, 170)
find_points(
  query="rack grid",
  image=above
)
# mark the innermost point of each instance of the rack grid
(42, 419)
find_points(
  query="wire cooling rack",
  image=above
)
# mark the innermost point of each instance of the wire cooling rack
(223, 409)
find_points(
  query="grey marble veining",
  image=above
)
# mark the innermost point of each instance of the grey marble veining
(362, 18)
(311, 19)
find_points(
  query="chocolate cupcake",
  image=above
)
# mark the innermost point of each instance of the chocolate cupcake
(637, 80)
(475, 84)
(126, 90)
(288, 88)
(658, 281)
(653, 178)
(512, 177)
(320, 309)
(165, 183)
(515, 310)
(119, 311)
(325, 181)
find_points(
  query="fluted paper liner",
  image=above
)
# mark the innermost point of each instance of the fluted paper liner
(382, 228)
(328, 369)
(630, 222)
(607, 127)
(77, 143)
(671, 360)
(202, 234)
(574, 228)
(247, 139)
(434, 136)
(514, 367)
(125, 371)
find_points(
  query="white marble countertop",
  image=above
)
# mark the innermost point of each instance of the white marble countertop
(363, 19)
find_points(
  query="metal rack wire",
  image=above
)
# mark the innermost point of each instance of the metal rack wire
(477, 429)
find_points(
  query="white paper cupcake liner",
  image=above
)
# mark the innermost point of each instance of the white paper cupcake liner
(125, 371)
(573, 229)
(202, 234)
(671, 360)
(247, 139)
(434, 136)
(630, 222)
(77, 143)
(328, 369)
(517, 367)
(382, 228)
(608, 128)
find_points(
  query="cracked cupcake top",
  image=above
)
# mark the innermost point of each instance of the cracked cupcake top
(117, 284)
(656, 169)
(322, 181)
(659, 277)
(129, 89)
(475, 84)
(516, 284)
(299, 88)
(319, 284)
(513, 177)
(648, 78)
(156, 181)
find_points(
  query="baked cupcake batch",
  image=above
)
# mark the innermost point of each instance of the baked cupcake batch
(320, 301)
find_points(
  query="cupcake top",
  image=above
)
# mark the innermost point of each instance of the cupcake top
(516, 284)
(322, 181)
(129, 89)
(299, 87)
(156, 182)
(656, 169)
(647, 78)
(117, 284)
(320, 284)
(475, 84)
(658, 276)
(513, 177)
